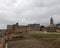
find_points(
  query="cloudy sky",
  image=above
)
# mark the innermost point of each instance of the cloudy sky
(28, 11)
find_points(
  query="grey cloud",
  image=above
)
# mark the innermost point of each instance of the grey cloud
(29, 11)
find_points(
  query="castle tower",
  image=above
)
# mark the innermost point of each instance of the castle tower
(52, 27)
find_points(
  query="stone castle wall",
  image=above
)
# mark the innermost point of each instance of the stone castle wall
(31, 27)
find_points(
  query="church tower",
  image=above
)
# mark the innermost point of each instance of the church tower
(51, 22)
(52, 27)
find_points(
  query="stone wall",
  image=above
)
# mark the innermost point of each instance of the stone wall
(31, 27)
(20, 28)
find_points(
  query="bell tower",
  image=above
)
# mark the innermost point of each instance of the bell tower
(51, 22)
(52, 27)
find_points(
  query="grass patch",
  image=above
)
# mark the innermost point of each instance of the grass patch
(42, 35)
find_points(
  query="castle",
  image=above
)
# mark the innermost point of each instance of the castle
(34, 27)
(15, 31)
